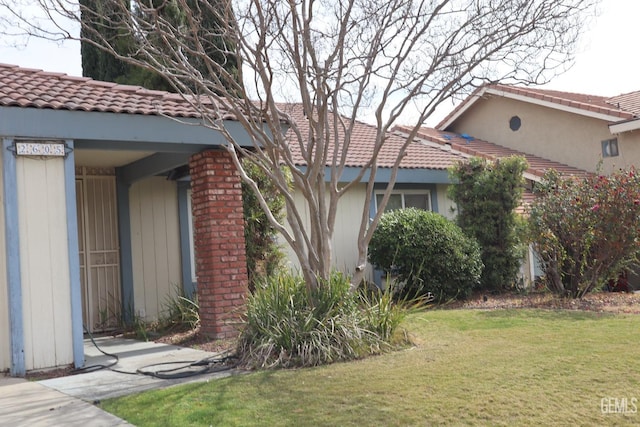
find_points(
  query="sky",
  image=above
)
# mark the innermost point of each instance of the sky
(607, 60)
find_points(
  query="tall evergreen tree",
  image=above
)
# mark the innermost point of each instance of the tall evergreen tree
(193, 21)
(216, 47)
(97, 63)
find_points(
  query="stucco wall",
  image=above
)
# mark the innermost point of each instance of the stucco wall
(345, 238)
(629, 147)
(44, 263)
(552, 134)
(347, 226)
(5, 345)
(155, 243)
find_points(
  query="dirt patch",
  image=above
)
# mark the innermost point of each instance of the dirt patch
(611, 302)
(49, 373)
(197, 340)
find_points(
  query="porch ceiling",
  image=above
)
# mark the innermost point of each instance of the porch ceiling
(108, 158)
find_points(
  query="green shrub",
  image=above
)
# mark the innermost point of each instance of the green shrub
(288, 325)
(264, 254)
(427, 253)
(487, 194)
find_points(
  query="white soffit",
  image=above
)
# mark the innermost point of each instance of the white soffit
(466, 104)
(626, 126)
(105, 158)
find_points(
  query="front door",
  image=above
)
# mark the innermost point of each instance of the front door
(99, 250)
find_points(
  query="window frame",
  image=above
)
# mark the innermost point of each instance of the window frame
(192, 247)
(402, 193)
(607, 146)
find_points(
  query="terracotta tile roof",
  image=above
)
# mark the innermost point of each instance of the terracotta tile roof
(527, 200)
(477, 147)
(623, 107)
(628, 102)
(29, 88)
(418, 155)
(594, 103)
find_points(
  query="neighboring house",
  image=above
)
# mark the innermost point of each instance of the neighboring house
(422, 182)
(575, 134)
(575, 129)
(94, 219)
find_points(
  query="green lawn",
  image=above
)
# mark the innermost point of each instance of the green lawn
(468, 367)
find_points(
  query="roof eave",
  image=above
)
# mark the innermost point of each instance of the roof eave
(625, 126)
(555, 105)
(462, 108)
(469, 102)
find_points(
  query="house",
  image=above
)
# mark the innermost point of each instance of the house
(94, 219)
(112, 201)
(115, 197)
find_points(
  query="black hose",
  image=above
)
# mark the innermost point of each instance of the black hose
(208, 365)
(99, 367)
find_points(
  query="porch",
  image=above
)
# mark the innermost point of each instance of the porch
(98, 224)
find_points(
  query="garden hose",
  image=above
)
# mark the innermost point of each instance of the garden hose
(185, 368)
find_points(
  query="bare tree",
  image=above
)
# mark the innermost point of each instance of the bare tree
(341, 59)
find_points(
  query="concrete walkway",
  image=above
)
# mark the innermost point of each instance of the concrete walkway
(72, 400)
(33, 404)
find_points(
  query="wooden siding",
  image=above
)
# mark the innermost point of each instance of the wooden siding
(44, 263)
(345, 247)
(155, 242)
(446, 206)
(5, 344)
(345, 243)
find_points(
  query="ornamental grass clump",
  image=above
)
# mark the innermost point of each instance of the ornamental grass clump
(289, 324)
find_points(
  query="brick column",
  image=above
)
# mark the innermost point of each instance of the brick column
(218, 226)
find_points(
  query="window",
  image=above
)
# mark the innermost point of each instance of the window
(610, 148)
(420, 199)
